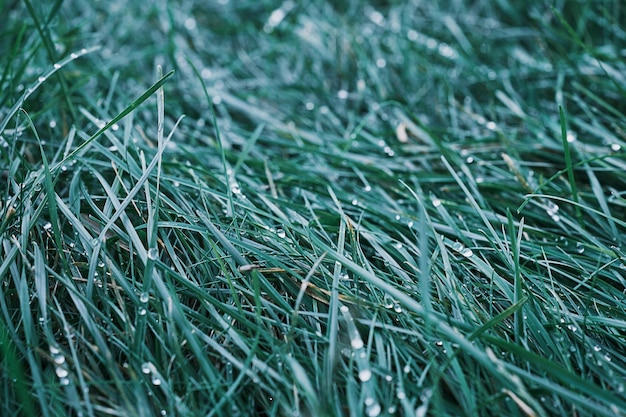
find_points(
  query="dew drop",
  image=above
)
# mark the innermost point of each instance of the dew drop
(145, 368)
(143, 311)
(153, 253)
(342, 94)
(59, 359)
(436, 202)
(365, 375)
(156, 381)
(64, 381)
(356, 343)
(580, 248)
(280, 233)
(57, 66)
(616, 147)
(367, 188)
(467, 252)
(41, 79)
(47, 226)
(373, 410)
(571, 136)
(144, 297)
(61, 372)
(458, 246)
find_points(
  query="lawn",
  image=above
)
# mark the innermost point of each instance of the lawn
(315, 208)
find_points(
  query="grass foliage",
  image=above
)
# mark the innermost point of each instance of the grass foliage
(363, 208)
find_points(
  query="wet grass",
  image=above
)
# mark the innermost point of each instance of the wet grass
(394, 208)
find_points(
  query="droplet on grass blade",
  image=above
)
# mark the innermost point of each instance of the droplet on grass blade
(373, 410)
(153, 253)
(145, 367)
(61, 372)
(365, 375)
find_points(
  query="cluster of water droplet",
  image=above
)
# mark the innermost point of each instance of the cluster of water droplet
(462, 249)
(60, 367)
(147, 368)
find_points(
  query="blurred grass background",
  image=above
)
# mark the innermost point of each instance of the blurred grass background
(355, 208)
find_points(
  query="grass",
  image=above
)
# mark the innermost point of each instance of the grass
(307, 209)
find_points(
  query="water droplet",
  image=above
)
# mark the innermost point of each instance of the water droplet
(41, 79)
(436, 202)
(381, 63)
(144, 297)
(156, 380)
(571, 136)
(458, 246)
(142, 311)
(64, 381)
(342, 94)
(401, 395)
(355, 202)
(373, 410)
(357, 343)
(597, 348)
(61, 372)
(410, 224)
(235, 189)
(397, 308)
(153, 253)
(365, 375)
(616, 147)
(47, 226)
(73, 55)
(57, 65)
(145, 367)
(398, 245)
(367, 188)
(580, 248)
(467, 252)
(280, 233)
(59, 359)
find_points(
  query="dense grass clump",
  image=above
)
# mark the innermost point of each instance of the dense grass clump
(270, 208)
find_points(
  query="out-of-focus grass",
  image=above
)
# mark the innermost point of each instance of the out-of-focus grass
(382, 208)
